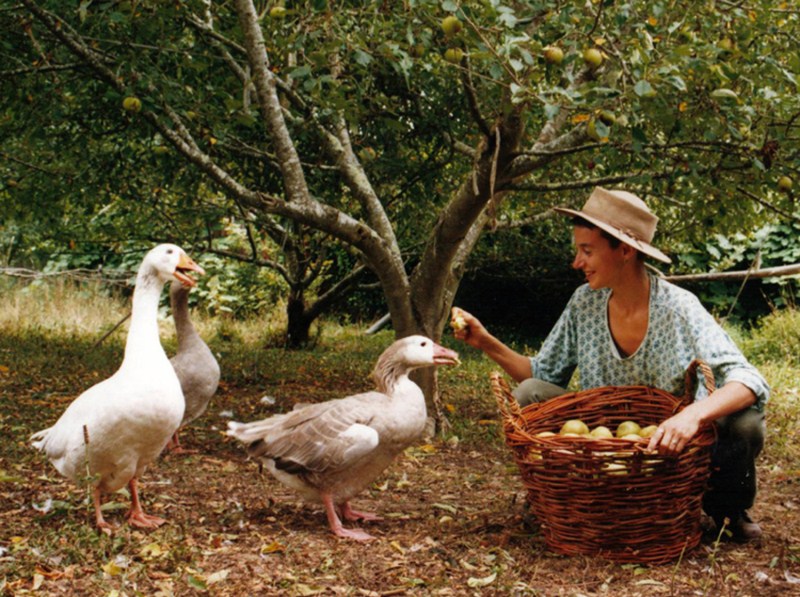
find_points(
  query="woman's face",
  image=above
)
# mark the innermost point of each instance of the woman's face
(600, 264)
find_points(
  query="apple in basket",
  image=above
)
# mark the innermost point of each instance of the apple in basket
(649, 431)
(574, 427)
(628, 428)
(601, 432)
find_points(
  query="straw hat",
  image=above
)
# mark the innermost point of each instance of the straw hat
(624, 216)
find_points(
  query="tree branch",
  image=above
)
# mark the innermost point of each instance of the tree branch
(472, 99)
(768, 205)
(39, 69)
(769, 272)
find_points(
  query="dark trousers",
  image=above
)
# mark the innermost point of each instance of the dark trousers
(732, 486)
(740, 438)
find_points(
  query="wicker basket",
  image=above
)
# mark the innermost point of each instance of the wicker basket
(609, 497)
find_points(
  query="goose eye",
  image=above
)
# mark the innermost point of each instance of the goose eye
(424, 344)
(169, 251)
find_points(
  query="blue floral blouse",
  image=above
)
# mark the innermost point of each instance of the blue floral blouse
(679, 330)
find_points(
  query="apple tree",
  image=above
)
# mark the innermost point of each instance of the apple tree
(406, 129)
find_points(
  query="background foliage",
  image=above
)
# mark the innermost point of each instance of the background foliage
(694, 107)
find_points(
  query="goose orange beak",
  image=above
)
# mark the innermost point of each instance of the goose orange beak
(186, 264)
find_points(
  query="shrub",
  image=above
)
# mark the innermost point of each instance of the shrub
(776, 339)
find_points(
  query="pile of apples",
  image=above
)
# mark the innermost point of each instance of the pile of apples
(629, 430)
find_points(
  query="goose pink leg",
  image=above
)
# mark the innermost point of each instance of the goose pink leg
(98, 514)
(174, 444)
(349, 514)
(136, 516)
(336, 524)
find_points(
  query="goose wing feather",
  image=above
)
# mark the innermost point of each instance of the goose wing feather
(320, 438)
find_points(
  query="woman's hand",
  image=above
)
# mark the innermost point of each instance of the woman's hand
(674, 434)
(467, 327)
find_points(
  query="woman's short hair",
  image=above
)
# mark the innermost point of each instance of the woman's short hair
(613, 241)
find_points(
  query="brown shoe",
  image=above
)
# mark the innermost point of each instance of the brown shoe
(739, 527)
(744, 529)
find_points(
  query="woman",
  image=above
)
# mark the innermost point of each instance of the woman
(626, 326)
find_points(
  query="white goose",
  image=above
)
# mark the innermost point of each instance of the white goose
(113, 430)
(331, 451)
(194, 363)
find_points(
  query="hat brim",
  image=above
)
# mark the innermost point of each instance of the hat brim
(637, 244)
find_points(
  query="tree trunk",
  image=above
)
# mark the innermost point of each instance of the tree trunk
(299, 324)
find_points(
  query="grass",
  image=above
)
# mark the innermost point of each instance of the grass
(451, 506)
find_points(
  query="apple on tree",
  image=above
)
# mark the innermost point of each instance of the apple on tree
(453, 55)
(593, 57)
(553, 54)
(451, 25)
(132, 104)
(277, 12)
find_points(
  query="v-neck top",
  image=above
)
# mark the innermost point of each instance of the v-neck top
(679, 330)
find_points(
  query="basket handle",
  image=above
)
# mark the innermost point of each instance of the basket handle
(691, 379)
(506, 403)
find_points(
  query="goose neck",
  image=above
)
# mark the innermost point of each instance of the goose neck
(184, 328)
(143, 339)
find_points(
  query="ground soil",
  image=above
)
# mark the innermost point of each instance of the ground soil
(452, 526)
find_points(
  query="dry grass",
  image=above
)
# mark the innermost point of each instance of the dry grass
(59, 308)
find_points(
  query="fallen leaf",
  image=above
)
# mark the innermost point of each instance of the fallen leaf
(151, 550)
(38, 579)
(447, 507)
(218, 576)
(466, 565)
(397, 547)
(307, 590)
(195, 582)
(650, 582)
(112, 569)
(8, 478)
(273, 547)
(481, 582)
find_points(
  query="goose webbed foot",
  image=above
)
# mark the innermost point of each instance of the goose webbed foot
(336, 524)
(136, 516)
(105, 527)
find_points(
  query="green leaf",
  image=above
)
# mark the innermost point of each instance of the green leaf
(300, 72)
(197, 583)
(677, 82)
(644, 89)
(362, 57)
(551, 111)
(723, 93)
